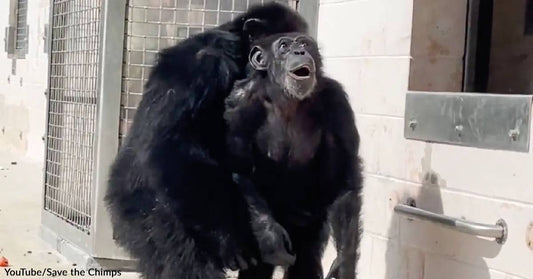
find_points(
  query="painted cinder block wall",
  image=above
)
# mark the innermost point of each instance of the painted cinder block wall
(366, 45)
(22, 99)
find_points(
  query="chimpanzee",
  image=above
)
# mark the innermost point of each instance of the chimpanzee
(294, 143)
(173, 203)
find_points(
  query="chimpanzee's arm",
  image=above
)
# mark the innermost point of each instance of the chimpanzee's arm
(273, 240)
(346, 227)
(176, 96)
(244, 114)
(343, 174)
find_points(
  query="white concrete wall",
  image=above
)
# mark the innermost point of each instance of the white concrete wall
(366, 46)
(22, 99)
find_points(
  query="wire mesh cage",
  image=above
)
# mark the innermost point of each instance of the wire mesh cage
(72, 110)
(152, 25)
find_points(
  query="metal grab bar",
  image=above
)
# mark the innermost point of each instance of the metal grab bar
(498, 231)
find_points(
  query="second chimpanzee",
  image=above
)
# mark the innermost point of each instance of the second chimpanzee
(295, 146)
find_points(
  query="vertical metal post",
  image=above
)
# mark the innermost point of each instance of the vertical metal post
(478, 45)
(309, 10)
(107, 141)
(471, 46)
(47, 94)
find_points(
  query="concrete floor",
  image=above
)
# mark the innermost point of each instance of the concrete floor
(20, 219)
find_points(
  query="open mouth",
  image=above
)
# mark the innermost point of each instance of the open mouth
(301, 72)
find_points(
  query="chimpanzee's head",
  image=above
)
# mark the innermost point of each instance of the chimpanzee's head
(262, 20)
(290, 60)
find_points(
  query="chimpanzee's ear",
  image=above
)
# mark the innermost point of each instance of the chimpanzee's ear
(254, 28)
(257, 59)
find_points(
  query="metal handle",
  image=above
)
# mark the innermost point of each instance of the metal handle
(498, 231)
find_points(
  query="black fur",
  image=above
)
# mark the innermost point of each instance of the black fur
(345, 223)
(301, 158)
(173, 204)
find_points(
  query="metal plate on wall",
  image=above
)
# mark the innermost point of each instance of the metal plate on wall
(489, 121)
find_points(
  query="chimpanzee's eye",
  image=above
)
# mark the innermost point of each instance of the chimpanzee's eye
(283, 46)
(303, 44)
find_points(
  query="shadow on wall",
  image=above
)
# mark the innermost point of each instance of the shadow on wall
(420, 250)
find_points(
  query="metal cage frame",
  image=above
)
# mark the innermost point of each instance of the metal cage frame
(94, 245)
(95, 241)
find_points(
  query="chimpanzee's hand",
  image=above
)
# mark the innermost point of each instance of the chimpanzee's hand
(234, 257)
(274, 242)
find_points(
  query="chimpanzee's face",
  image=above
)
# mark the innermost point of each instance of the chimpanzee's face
(291, 62)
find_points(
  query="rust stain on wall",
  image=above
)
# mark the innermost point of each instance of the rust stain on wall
(435, 49)
(529, 236)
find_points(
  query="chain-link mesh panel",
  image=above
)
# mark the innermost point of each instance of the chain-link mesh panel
(156, 24)
(21, 40)
(72, 111)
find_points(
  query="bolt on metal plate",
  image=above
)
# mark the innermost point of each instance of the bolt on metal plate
(490, 121)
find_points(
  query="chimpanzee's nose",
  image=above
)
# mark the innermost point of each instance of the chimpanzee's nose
(299, 52)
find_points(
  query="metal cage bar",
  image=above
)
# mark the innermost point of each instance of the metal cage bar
(106, 145)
